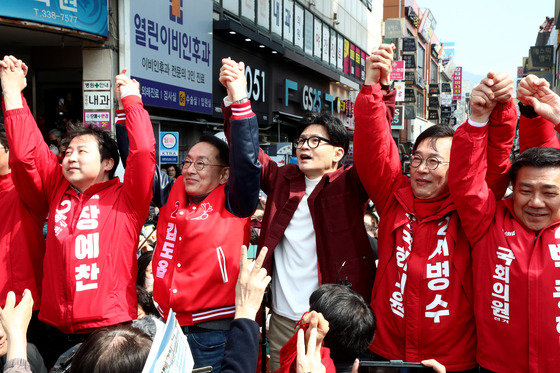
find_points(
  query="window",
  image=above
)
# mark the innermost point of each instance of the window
(419, 104)
(421, 57)
(433, 71)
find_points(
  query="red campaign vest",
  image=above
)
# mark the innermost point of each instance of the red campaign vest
(517, 279)
(196, 261)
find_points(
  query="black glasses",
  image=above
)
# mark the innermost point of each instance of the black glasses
(432, 162)
(312, 141)
(199, 165)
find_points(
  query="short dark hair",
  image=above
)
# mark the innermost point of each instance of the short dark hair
(351, 321)
(143, 262)
(146, 301)
(3, 139)
(433, 133)
(539, 157)
(338, 134)
(107, 145)
(116, 349)
(221, 145)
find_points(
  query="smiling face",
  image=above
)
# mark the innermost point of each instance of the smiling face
(536, 197)
(82, 165)
(428, 183)
(3, 342)
(202, 182)
(314, 163)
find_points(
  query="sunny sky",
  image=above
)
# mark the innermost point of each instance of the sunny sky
(489, 34)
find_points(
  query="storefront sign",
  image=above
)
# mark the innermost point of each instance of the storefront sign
(399, 88)
(101, 119)
(433, 89)
(412, 16)
(170, 53)
(410, 77)
(446, 87)
(409, 111)
(397, 72)
(428, 25)
(310, 98)
(169, 147)
(433, 101)
(433, 114)
(394, 28)
(409, 61)
(457, 83)
(409, 44)
(542, 56)
(97, 100)
(97, 85)
(409, 95)
(87, 16)
(398, 119)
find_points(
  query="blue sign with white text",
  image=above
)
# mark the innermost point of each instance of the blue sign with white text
(89, 16)
(169, 147)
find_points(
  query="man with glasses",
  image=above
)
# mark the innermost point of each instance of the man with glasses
(423, 295)
(313, 222)
(203, 221)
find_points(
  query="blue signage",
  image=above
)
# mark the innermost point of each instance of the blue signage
(169, 147)
(89, 16)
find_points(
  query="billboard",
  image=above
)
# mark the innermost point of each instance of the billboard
(170, 45)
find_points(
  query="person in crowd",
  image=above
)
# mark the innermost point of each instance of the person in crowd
(203, 220)
(515, 241)
(145, 285)
(371, 223)
(173, 171)
(55, 138)
(22, 245)
(423, 296)
(89, 269)
(313, 209)
(33, 357)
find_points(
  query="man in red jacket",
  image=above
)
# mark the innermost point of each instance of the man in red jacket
(422, 295)
(516, 255)
(94, 219)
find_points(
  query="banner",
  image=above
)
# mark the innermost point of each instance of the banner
(457, 83)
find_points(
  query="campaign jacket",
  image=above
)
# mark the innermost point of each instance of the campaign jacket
(22, 245)
(336, 205)
(423, 295)
(196, 261)
(516, 270)
(90, 260)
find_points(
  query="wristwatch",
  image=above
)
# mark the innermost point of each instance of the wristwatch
(241, 101)
(387, 87)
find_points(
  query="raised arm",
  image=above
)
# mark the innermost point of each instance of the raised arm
(162, 182)
(467, 168)
(141, 162)
(376, 155)
(540, 112)
(501, 132)
(242, 132)
(34, 167)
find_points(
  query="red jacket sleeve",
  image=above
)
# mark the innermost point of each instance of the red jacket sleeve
(501, 132)
(535, 132)
(35, 168)
(376, 155)
(467, 169)
(141, 161)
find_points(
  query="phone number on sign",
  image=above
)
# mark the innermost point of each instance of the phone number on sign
(53, 15)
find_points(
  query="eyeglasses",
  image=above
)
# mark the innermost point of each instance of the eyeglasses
(199, 165)
(432, 162)
(312, 141)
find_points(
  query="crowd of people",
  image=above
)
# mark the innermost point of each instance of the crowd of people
(443, 272)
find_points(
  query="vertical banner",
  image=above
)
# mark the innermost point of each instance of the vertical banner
(333, 49)
(276, 20)
(170, 53)
(397, 73)
(263, 14)
(364, 65)
(346, 56)
(358, 63)
(457, 83)
(326, 42)
(399, 88)
(169, 147)
(298, 26)
(352, 59)
(317, 37)
(340, 53)
(289, 20)
(248, 10)
(308, 32)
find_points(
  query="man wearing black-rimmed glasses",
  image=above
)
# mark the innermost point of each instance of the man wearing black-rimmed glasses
(423, 294)
(313, 222)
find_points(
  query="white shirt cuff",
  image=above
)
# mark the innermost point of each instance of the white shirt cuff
(476, 124)
(227, 102)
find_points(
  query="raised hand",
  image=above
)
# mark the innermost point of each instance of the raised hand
(379, 65)
(501, 85)
(15, 320)
(317, 321)
(232, 76)
(12, 74)
(482, 100)
(309, 354)
(251, 285)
